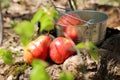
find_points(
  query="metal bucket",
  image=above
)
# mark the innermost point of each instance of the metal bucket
(94, 32)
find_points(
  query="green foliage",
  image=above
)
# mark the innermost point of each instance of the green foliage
(54, 13)
(6, 56)
(80, 45)
(46, 18)
(66, 76)
(25, 30)
(5, 3)
(90, 47)
(24, 40)
(47, 23)
(37, 16)
(38, 71)
(12, 24)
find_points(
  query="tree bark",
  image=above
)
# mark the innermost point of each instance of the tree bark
(1, 25)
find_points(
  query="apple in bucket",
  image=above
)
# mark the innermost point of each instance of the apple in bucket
(69, 24)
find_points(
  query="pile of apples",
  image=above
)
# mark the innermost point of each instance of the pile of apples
(58, 49)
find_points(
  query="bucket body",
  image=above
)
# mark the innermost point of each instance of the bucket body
(93, 32)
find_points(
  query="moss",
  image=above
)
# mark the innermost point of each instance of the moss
(17, 69)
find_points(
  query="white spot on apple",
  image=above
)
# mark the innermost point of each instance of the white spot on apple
(58, 43)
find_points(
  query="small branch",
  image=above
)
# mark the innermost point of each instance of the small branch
(75, 4)
(70, 2)
(1, 25)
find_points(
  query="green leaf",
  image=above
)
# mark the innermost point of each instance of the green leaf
(47, 23)
(12, 24)
(6, 56)
(39, 72)
(66, 76)
(92, 50)
(54, 13)
(1, 52)
(80, 45)
(91, 45)
(94, 55)
(5, 3)
(25, 41)
(25, 30)
(38, 62)
(37, 16)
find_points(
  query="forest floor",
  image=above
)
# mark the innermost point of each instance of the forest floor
(19, 10)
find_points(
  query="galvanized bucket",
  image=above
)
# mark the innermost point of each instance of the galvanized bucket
(95, 31)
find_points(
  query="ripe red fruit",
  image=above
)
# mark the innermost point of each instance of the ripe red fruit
(38, 48)
(60, 49)
(68, 22)
(72, 33)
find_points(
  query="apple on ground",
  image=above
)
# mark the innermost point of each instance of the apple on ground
(60, 49)
(37, 49)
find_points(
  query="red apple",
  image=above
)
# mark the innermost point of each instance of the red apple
(38, 48)
(72, 33)
(60, 49)
(68, 21)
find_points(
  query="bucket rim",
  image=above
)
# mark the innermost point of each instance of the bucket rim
(106, 16)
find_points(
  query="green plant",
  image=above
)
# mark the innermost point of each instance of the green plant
(26, 29)
(12, 24)
(38, 71)
(46, 18)
(5, 3)
(66, 76)
(6, 56)
(92, 49)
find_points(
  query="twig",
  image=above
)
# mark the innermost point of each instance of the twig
(1, 25)
(70, 2)
(75, 4)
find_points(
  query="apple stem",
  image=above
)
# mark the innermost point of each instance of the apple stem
(48, 33)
